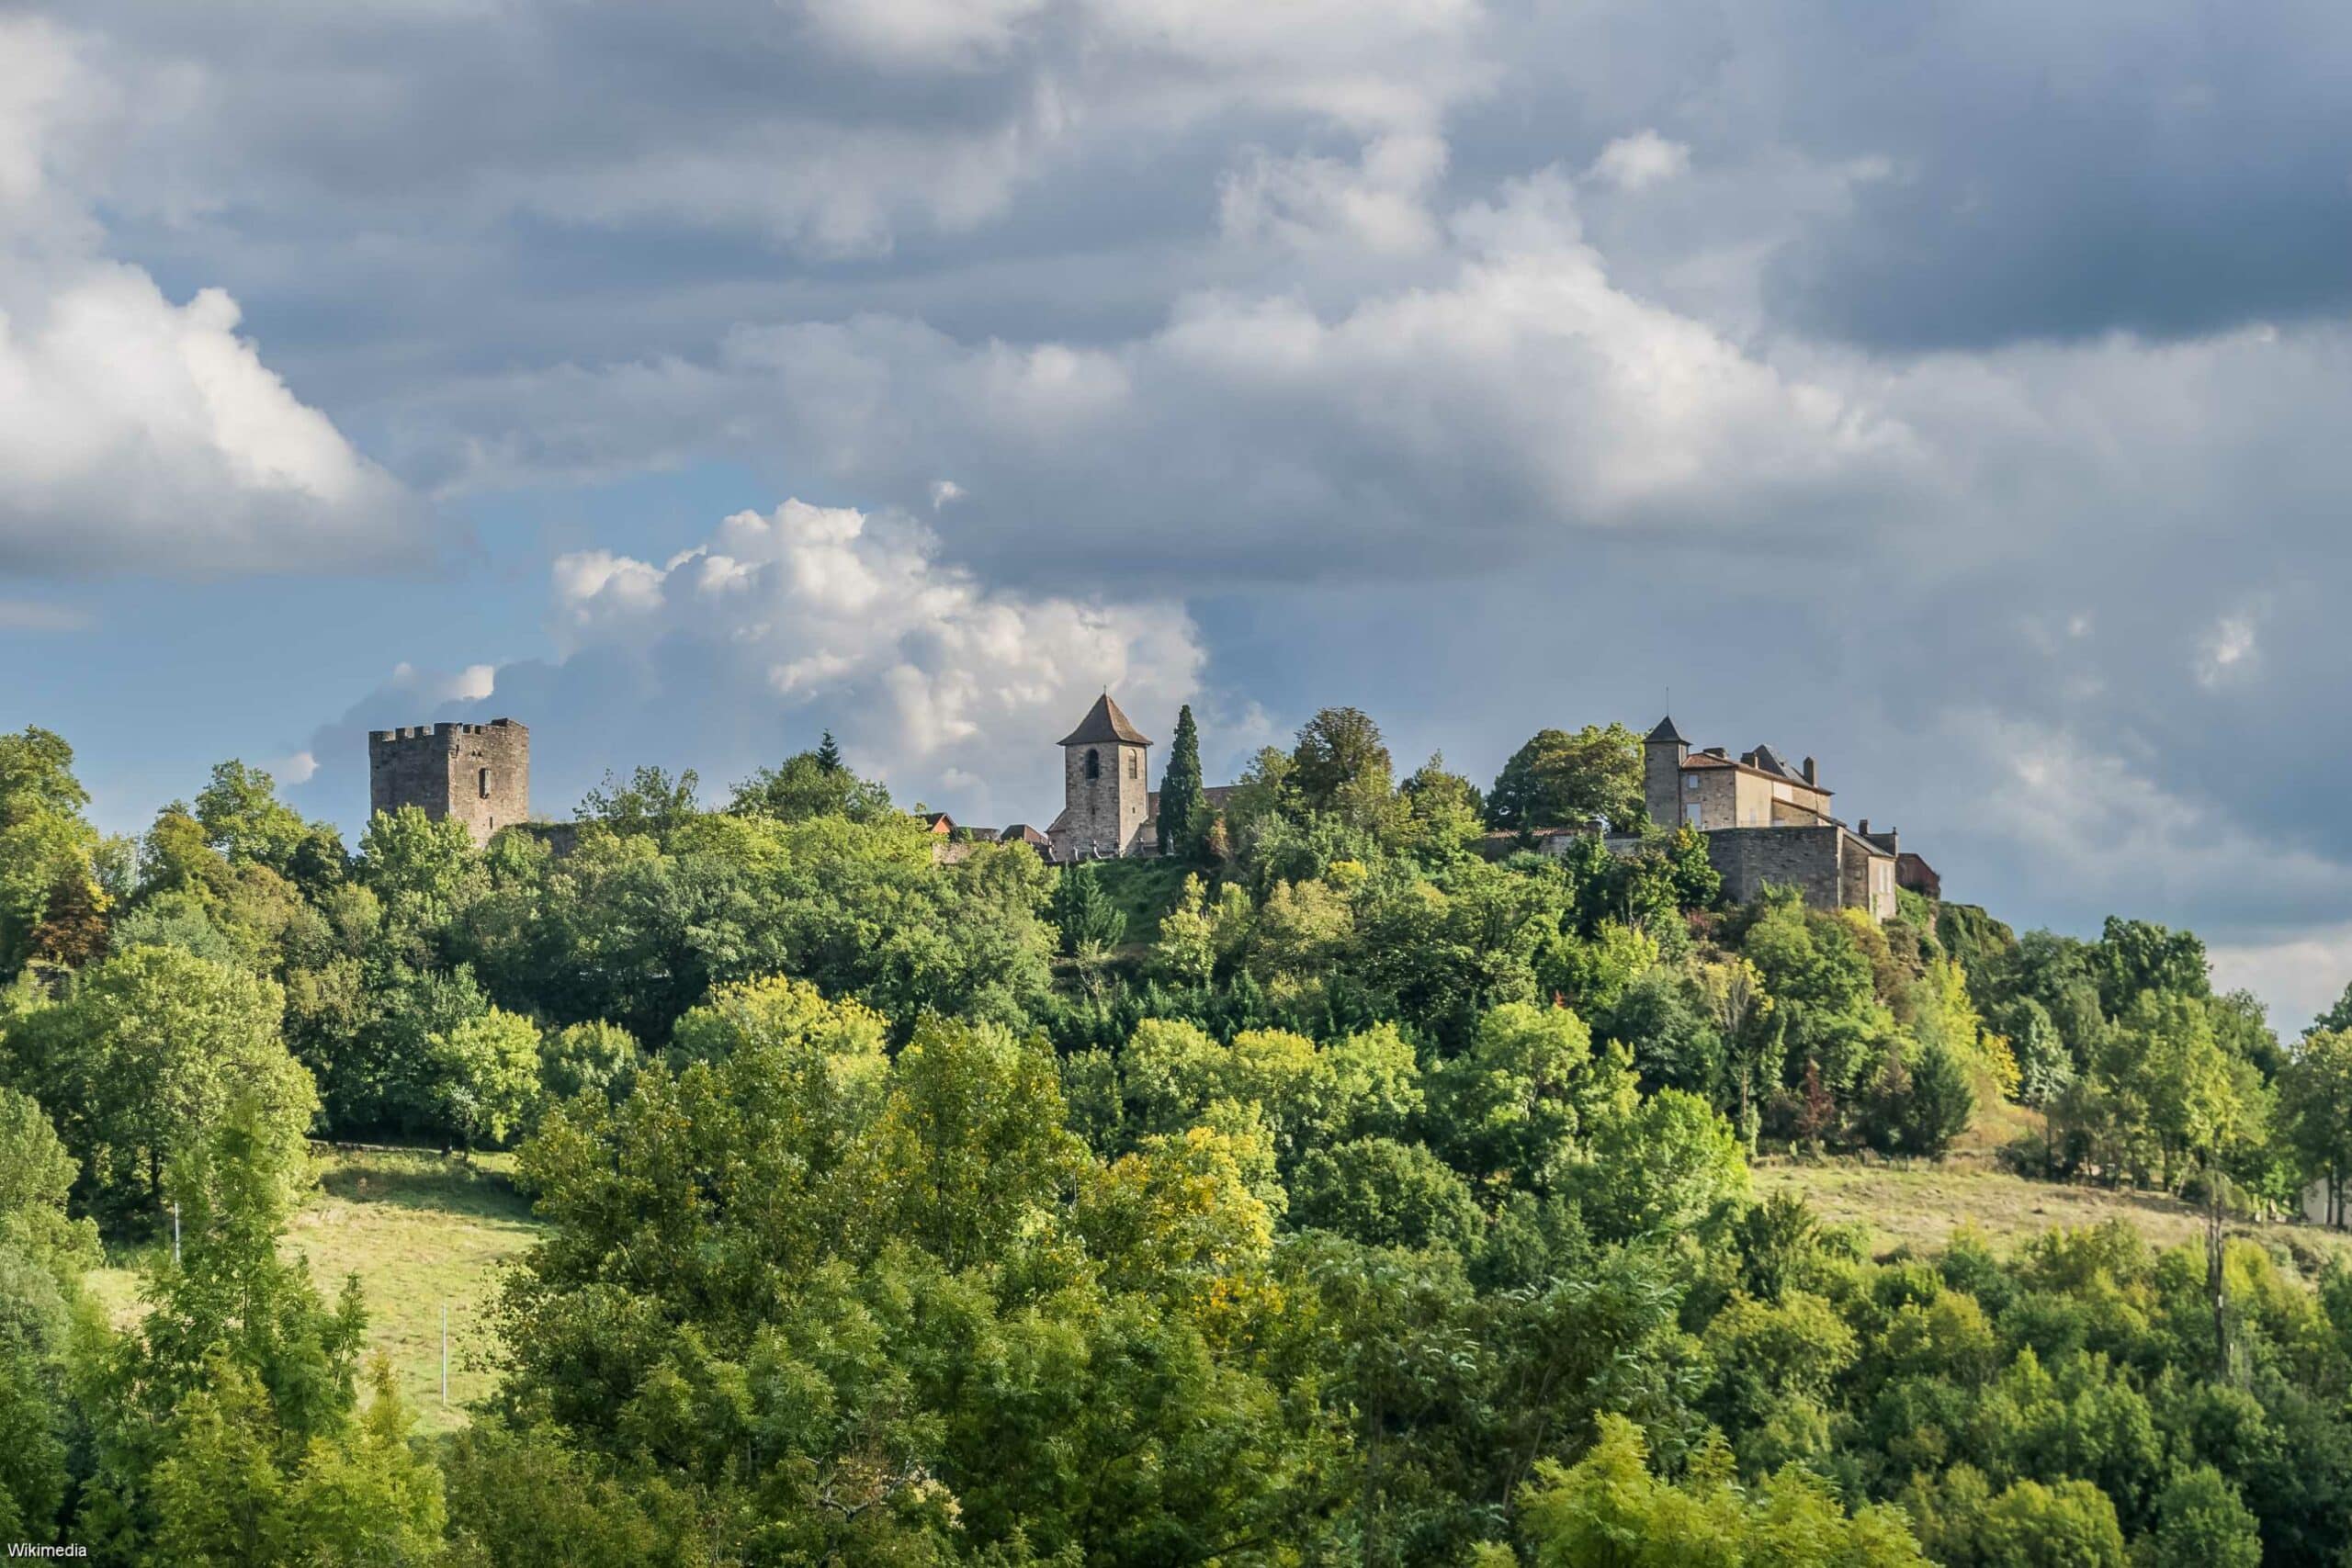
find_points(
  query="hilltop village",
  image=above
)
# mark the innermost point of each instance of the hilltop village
(1763, 821)
(1334, 1150)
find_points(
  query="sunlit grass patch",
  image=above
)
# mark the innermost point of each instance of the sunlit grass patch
(421, 1231)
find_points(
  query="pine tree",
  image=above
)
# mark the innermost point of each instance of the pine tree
(828, 756)
(1183, 808)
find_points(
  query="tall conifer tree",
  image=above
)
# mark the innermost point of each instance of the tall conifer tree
(828, 756)
(1183, 808)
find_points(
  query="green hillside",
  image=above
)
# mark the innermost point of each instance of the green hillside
(421, 1231)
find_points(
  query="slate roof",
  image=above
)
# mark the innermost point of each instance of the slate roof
(1102, 725)
(1698, 759)
(1666, 732)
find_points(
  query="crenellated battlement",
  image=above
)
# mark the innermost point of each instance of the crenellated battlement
(446, 727)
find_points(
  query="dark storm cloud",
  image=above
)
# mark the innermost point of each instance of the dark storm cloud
(509, 185)
(2023, 170)
(2059, 171)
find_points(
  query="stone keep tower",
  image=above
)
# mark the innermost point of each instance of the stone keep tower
(1107, 784)
(1663, 753)
(477, 774)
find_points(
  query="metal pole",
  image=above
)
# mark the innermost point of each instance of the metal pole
(444, 1353)
(176, 1234)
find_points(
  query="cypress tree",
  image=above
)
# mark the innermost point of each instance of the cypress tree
(1183, 809)
(1084, 913)
(828, 756)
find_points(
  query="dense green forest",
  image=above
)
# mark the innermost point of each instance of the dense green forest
(1351, 1185)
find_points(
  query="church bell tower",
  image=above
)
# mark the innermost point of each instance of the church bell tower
(1106, 785)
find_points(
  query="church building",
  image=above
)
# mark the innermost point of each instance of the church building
(1107, 788)
(1109, 808)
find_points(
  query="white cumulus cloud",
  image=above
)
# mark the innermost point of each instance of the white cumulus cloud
(1645, 158)
(780, 625)
(427, 688)
(834, 607)
(138, 435)
(2091, 824)
(924, 32)
(1522, 395)
(1380, 203)
(2230, 649)
(2300, 973)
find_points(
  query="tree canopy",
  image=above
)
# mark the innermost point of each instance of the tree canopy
(1560, 780)
(1353, 1185)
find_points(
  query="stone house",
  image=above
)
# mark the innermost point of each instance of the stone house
(955, 845)
(1912, 872)
(1767, 822)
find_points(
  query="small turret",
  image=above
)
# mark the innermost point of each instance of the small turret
(1664, 751)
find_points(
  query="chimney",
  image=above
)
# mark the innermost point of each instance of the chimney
(1863, 829)
(1809, 777)
(1714, 751)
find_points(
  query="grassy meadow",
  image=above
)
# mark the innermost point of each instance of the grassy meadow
(421, 1231)
(1920, 1206)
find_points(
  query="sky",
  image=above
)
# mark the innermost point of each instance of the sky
(1954, 394)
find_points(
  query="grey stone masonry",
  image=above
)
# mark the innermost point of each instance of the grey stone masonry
(477, 774)
(1664, 751)
(1830, 866)
(1107, 787)
(1104, 790)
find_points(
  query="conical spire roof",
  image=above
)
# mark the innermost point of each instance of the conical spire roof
(1104, 724)
(1666, 732)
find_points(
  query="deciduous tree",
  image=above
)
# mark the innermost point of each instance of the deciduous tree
(1341, 764)
(47, 853)
(1560, 780)
(1610, 1511)
(486, 1075)
(244, 820)
(142, 1061)
(808, 785)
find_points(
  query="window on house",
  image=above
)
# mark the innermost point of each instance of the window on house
(481, 781)
(1690, 814)
(1131, 764)
(1093, 764)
